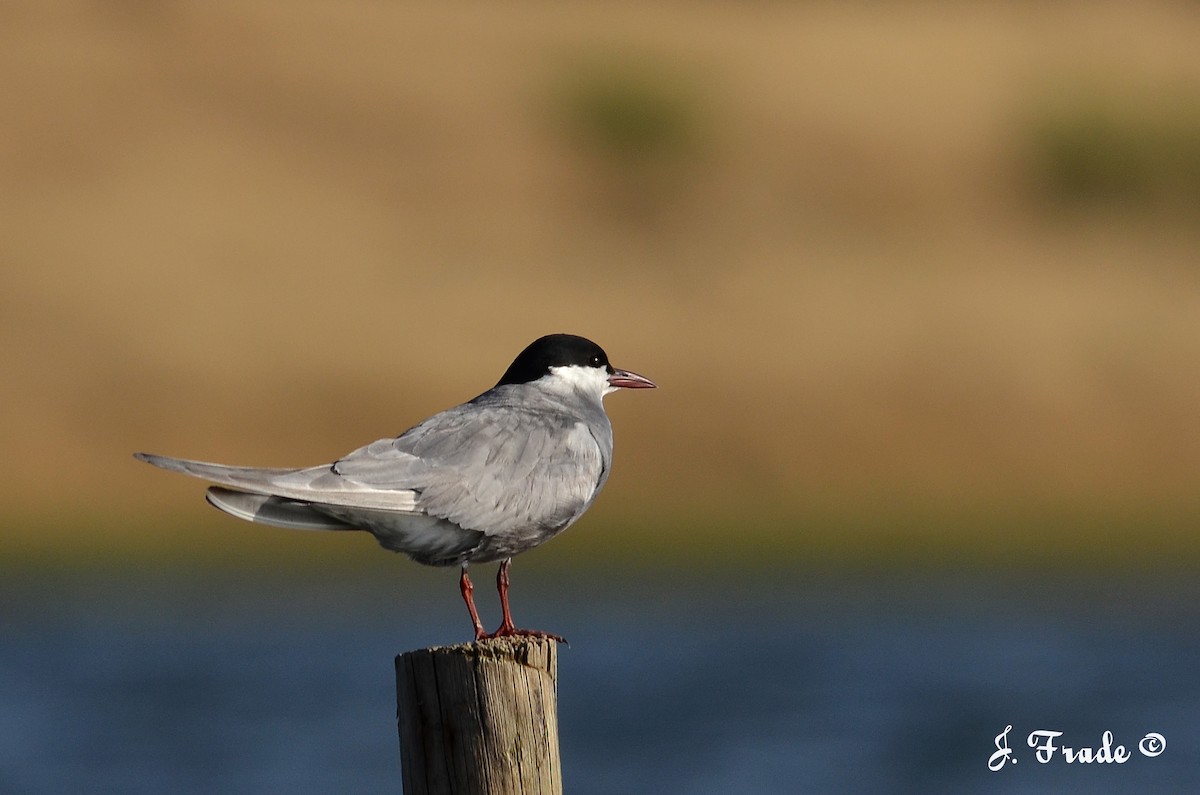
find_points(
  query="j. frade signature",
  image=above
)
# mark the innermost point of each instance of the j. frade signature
(1046, 746)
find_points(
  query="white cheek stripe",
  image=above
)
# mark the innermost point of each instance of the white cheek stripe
(586, 379)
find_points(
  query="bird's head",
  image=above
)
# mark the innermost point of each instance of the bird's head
(568, 361)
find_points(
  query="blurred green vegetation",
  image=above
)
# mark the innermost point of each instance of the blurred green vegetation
(640, 127)
(633, 111)
(1095, 146)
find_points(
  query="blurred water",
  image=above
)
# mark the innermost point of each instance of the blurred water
(162, 683)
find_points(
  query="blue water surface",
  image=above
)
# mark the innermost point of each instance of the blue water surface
(155, 681)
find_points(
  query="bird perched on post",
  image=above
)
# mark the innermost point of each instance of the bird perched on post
(477, 483)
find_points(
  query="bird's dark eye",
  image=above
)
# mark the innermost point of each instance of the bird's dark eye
(596, 361)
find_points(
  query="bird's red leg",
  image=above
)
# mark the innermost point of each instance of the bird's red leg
(507, 628)
(468, 591)
(506, 624)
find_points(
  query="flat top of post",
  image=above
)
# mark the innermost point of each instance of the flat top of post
(534, 651)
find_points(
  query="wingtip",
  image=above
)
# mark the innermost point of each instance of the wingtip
(150, 458)
(161, 461)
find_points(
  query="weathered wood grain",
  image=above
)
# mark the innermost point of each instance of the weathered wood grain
(480, 718)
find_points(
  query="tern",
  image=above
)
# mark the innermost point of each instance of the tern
(477, 483)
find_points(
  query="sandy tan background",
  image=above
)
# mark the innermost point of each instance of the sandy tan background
(842, 237)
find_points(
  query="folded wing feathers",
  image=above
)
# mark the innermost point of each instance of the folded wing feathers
(317, 484)
(529, 480)
(489, 471)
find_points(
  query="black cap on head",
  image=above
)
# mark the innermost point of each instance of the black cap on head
(554, 350)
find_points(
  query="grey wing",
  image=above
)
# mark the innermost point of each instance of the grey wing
(319, 498)
(318, 484)
(496, 469)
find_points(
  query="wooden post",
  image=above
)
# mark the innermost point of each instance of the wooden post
(480, 718)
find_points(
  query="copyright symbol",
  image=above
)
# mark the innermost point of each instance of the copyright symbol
(1152, 744)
